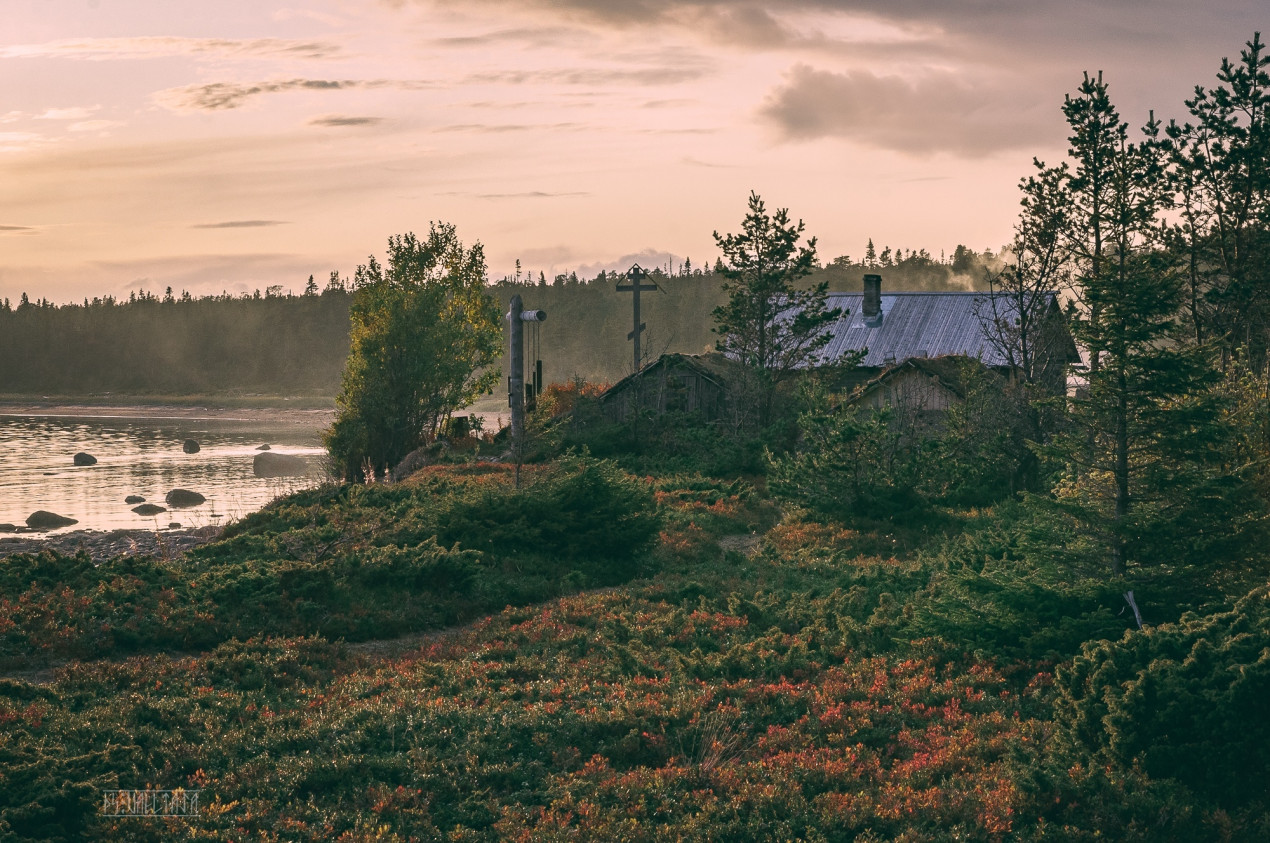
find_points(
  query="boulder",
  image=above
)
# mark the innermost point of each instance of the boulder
(184, 497)
(174, 525)
(263, 448)
(269, 464)
(134, 499)
(8, 528)
(44, 520)
(85, 459)
(149, 509)
(190, 447)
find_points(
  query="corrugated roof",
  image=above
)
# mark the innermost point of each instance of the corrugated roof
(917, 325)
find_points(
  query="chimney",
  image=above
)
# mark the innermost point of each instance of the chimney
(872, 311)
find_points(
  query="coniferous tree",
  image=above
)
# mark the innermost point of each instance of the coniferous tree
(1221, 172)
(1143, 446)
(1097, 134)
(768, 324)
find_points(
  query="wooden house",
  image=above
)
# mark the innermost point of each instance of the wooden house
(891, 328)
(685, 383)
(919, 391)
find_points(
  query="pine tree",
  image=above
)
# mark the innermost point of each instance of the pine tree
(1097, 135)
(1221, 172)
(768, 324)
(1143, 448)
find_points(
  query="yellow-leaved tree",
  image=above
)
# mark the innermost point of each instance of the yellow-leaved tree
(424, 333)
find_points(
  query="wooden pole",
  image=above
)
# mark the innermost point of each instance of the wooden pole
(516, 381)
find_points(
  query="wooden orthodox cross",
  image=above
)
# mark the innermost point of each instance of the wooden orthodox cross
(634, 278)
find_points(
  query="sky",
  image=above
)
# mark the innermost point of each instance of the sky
(239, 144)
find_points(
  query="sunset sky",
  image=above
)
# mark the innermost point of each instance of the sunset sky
(236, 144)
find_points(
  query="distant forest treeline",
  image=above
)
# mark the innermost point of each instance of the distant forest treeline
(152, 345)
(281, 344)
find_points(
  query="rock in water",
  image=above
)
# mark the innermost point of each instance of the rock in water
(8, 528)
(149, 509)
(43, 520)
(85, 459)
(190, 447)
(134, 499)
(184, 497)
(263, 448)
(269, 464)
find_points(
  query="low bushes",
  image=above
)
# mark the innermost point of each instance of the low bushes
(356, 562)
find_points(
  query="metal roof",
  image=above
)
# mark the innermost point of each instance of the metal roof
(917, 325)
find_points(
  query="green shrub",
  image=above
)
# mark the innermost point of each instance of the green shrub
(1183, 701)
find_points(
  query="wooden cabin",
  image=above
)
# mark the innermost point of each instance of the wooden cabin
(674, 383)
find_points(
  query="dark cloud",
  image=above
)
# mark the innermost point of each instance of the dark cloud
(16, 228)
(338, 121)
(531, 36)
(217, 96)
(240, 224)
(1183, 42)
(937, 112)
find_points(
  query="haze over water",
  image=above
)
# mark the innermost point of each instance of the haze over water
(143, 456)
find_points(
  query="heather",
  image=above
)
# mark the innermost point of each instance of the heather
(739, 673)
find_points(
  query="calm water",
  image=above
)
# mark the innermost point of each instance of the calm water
(143, 456)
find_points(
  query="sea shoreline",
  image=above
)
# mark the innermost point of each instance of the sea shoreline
(162, 410)
(103, 545)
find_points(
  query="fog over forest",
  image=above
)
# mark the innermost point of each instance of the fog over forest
(296, 345)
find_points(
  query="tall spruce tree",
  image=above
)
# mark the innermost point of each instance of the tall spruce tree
(1143, 447)
(1221, 172)
(770, 325)
(1097, 134)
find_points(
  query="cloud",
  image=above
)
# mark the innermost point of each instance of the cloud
(165, 46)
(78, 113)
(501, 128)
(94, 125)
(697, 162)
(340, 121)
(531, 194)
(931, 113)
(530, 36)
(527, 194)
(218, 96)
(15, 228)
(10, 141)
(647, 258)
(593, 77)
(291, 14)
(240, 224)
